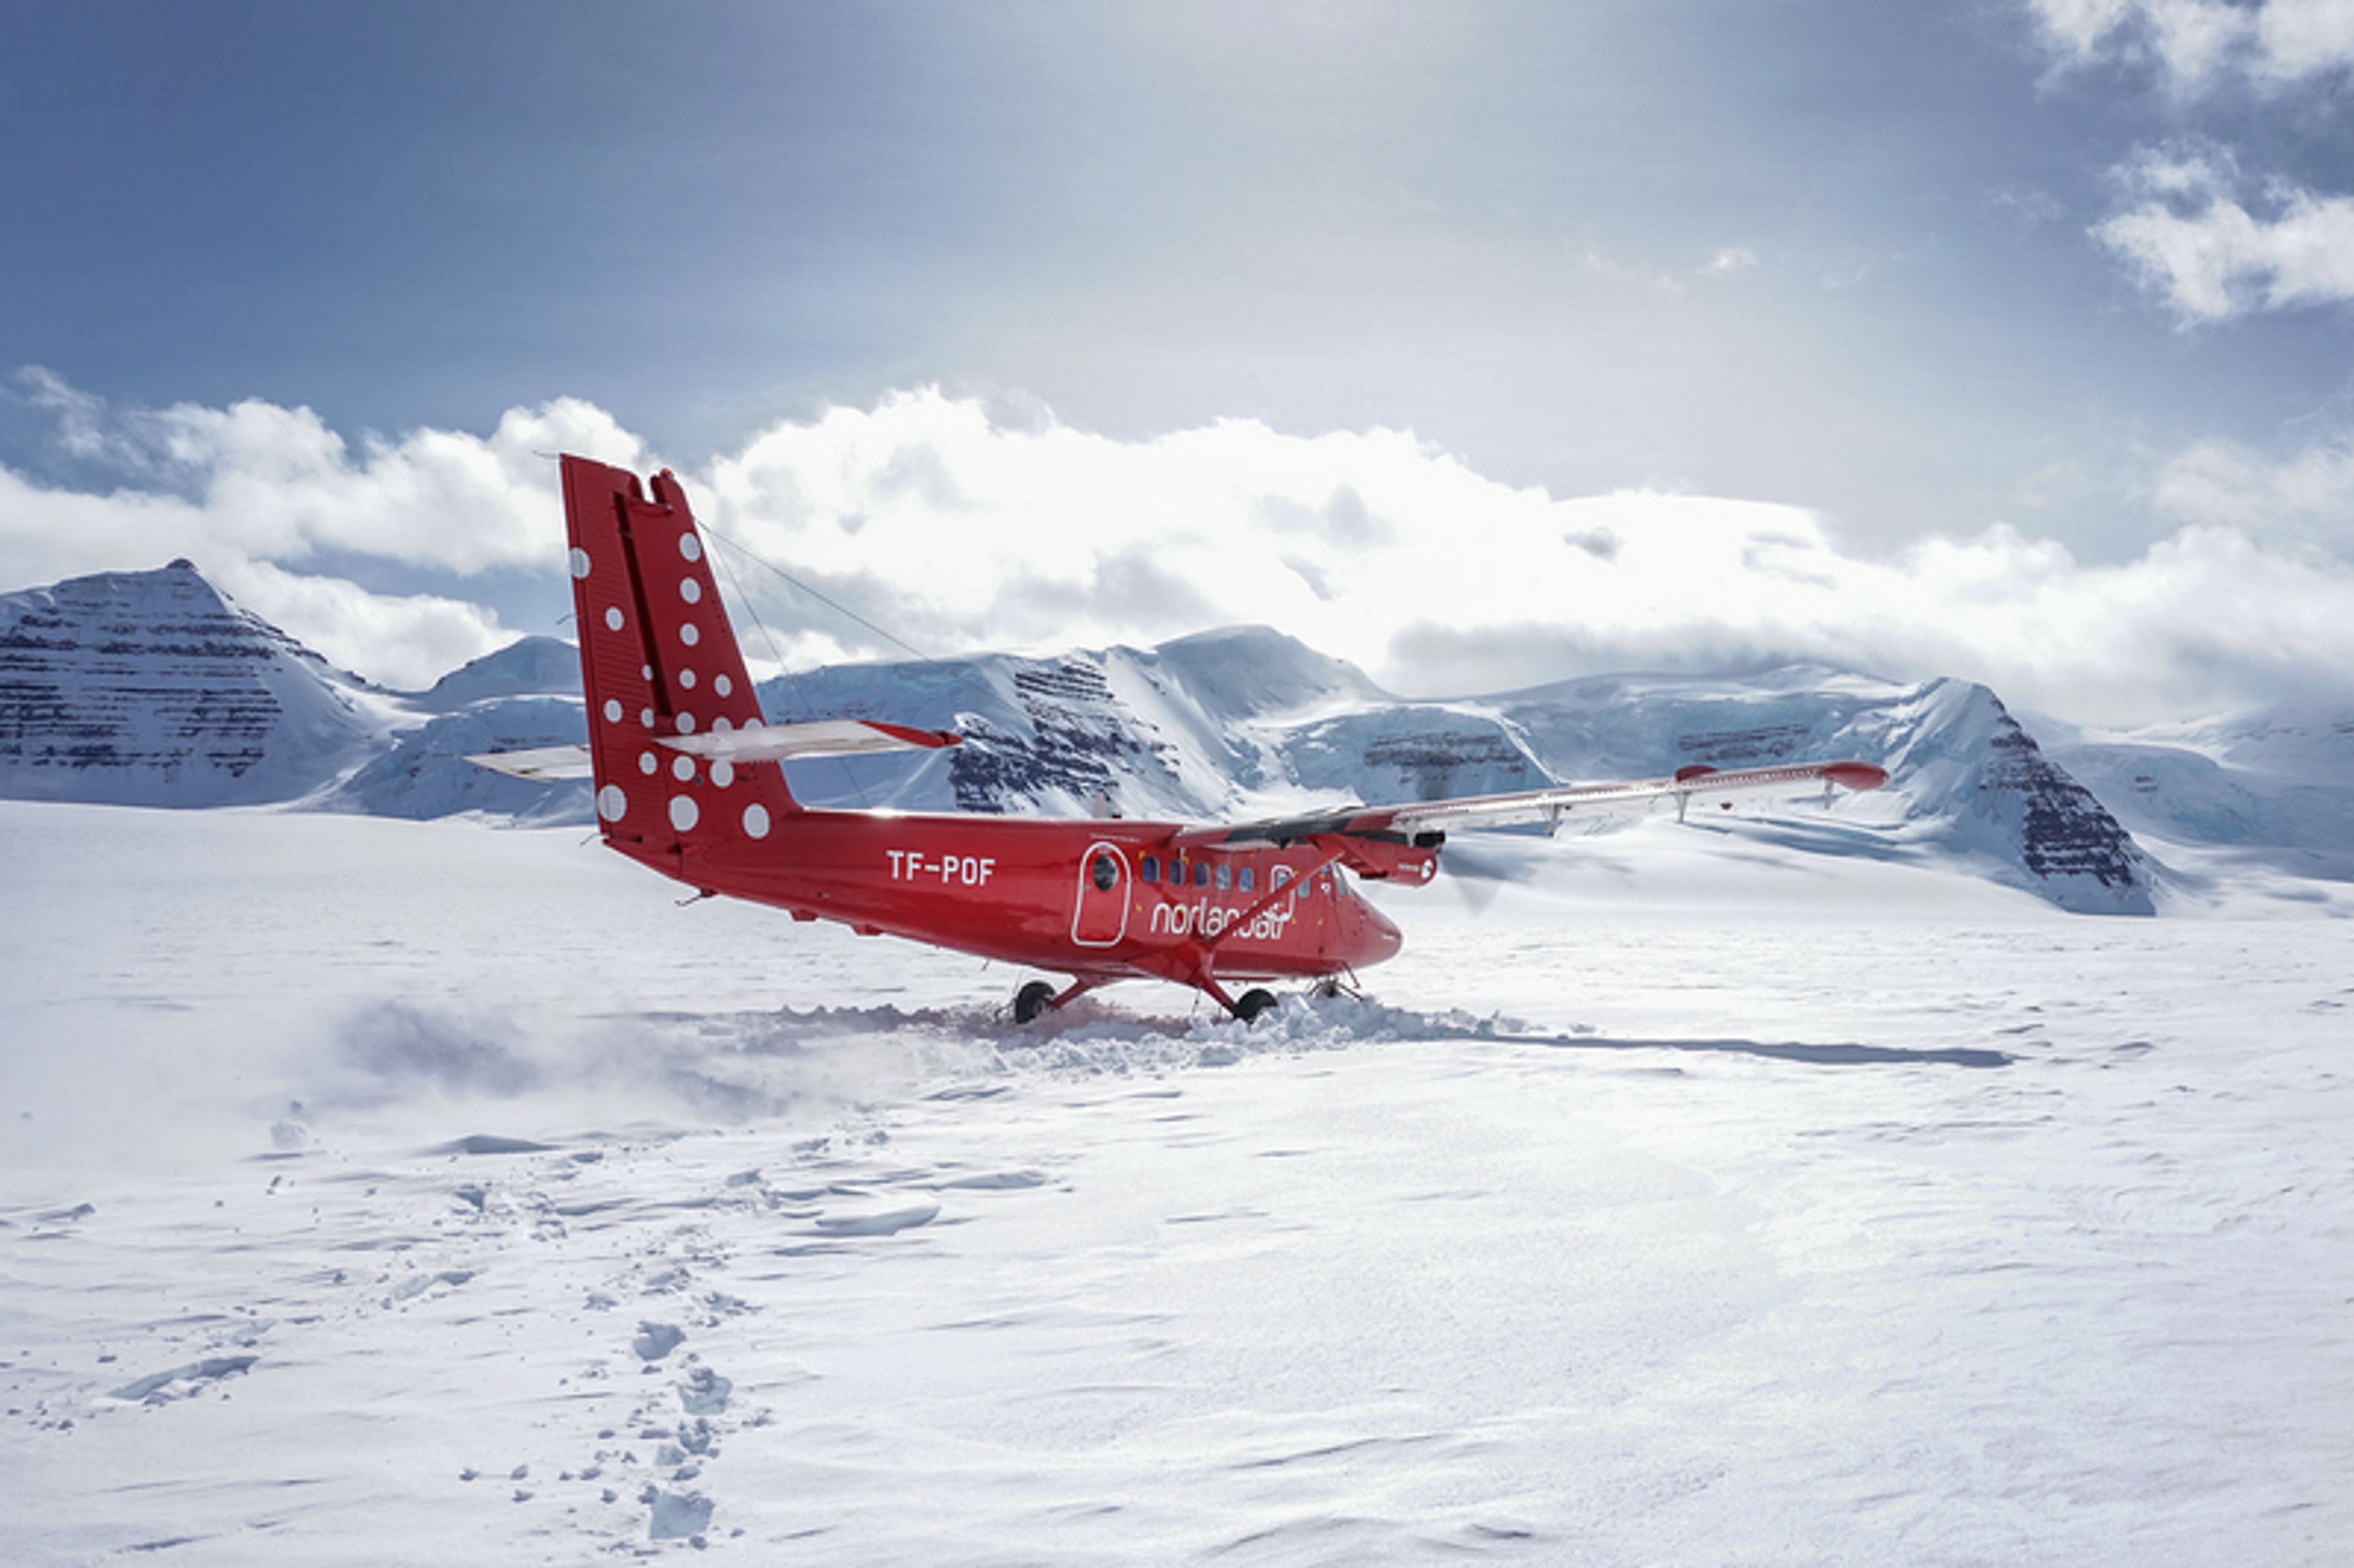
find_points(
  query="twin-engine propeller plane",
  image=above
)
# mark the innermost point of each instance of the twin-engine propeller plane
(690, 781)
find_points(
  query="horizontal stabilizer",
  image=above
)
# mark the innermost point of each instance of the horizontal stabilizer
(766, 743)
(542, 764)
(824, 738)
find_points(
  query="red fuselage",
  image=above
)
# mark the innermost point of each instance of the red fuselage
(1099, 900)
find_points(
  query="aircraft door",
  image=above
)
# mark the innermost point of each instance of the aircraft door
(1101, 918)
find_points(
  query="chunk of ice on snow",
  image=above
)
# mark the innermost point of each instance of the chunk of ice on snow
(677, 1515)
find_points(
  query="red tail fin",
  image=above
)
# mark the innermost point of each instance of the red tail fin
(658, 659)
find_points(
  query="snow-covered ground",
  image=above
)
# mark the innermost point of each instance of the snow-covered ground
(383, 1191)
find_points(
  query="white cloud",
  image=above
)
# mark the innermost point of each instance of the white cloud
(957, 532)
(2307, 38)
(2194, 241)
(255, 480)
(2226, 483)
(1382, 549)
(249, 490)
(2197, 45)
(1727, 261)
(406, 642)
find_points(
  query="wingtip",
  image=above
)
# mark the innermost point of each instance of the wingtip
(1856, 775)
(929, 739)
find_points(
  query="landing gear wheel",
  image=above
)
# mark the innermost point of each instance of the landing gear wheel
(1032, 1001)
(1251, 1003)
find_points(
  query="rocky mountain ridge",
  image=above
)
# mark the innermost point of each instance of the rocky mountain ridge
(139, 688)
(153, 689)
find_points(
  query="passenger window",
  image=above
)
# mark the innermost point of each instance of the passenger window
(1148, 868)
(1225, 877)
(1104, 872)
(1245, 879)
(1201, 873)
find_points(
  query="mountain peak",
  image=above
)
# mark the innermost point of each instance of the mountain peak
(529, 667)
(153, 688)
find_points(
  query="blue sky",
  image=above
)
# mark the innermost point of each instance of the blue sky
(2078, 269)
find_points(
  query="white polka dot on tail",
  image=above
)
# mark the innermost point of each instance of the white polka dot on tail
(690, 546)
(755, 820)
(611, 802)
(683, 813)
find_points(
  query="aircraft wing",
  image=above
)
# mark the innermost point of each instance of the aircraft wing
(1551, 806)
(541, 764)
(1411, 821)
(770, 742)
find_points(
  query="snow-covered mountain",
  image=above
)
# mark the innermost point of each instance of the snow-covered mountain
(1248, 721)
(153, 688)
(2273, 787)
(526, 694)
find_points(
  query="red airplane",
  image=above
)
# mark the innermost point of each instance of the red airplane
(689, 781)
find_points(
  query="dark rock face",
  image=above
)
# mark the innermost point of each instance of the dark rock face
(1402, 751)
(1428, 765)
(149, 688)
(1074, 738)
(2064, 830)
(1753, 747)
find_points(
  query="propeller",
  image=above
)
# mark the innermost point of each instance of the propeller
(1478, 872)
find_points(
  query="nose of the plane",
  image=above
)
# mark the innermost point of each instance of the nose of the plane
(1382, 938)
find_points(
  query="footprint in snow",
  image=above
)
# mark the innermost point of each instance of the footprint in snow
(161, 1388)
(655, 1340)
(704, 1391)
